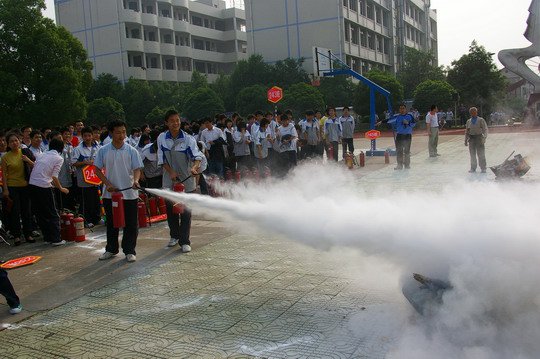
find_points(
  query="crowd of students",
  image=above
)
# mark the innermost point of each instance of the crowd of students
(43, 170)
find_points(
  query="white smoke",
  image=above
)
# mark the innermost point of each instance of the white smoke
(482, 236)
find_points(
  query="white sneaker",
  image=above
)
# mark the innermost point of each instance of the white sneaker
(106, 255)
(172, 242)
(61, 243)
(186, 248)
(131, 258)
(16, 310)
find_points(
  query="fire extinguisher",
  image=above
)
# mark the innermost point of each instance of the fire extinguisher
(386, 157)
(256, 175)
(237, 176)
(119, 221)
(141, 212)
(228, 175)
(152, 203)
(143, 197)
(267, 172)
(161, 205)
(178, 187)
(362, 159)
(78, 225)
(65, 225)
(349, 161)
(330, 152)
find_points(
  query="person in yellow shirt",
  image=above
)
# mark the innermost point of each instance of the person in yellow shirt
(322, 119)
(15, 189)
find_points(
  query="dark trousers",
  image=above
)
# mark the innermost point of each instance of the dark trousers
(130, 231)
(179, 224)
(65, 201)
(477, 149)
(90, 204)
(20, 211)
(215, 168)
(310, 151)
(335, 147)
(203, 185)
(243, 161)
(403, 150)
(154, 182)
(6, 289)
(289, 160)
(261, 164)
(347, 142)
(46, 213)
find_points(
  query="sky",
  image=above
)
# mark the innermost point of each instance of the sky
(495, 24)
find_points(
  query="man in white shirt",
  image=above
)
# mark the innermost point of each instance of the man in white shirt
(123, 165)
(35, 143)
(287, 136)
(45, 175)
(432, 124)
(214, 139)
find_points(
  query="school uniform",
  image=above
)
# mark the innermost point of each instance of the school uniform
(242, 149)
(89, 193)
(310, 134)
(333, 133)
(287, 137)
(179, 153)
(347, 140)
(216, 154)
(404, 125)
(260, 141)
(152, 171)
(120, 163)
(65, 177)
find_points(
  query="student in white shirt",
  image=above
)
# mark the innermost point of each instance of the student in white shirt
(123, 165)
(347, 131)
(43, 177)
(432, 124)
(261, 142)
(35, 143)
(242, 141)
(214, 140)
(310, 134)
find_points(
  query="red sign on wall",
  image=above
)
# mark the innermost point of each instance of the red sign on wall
(275, 94)
(20, 262)
(89, 174)
(372, 134)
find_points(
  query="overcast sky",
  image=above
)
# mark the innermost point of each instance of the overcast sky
(496, 24)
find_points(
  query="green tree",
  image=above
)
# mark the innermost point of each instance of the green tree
(301, 97)
(222, 86)
(44, 71)
(198, 80)
(337, 91)
(201, 103)
(103, 110)
(169, 94)
(156, 115)
(476, 78)
(105, 85)
(138, 100)
(418, 67)
(251, 99)
(287, 72)
(253, 71)
(386, 81)
(433, 93)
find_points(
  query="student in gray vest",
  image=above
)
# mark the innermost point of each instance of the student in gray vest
(476, 132)
(181, 159)
(332, 131)
(347, 127)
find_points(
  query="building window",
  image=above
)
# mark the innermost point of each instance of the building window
(345, 3)
(184, 64)
(371, 40)
(369, 11)
(169, 64)
(151, 36)
(363, 37)
(198, 44)
(354, 35)
(167, 38)
(353, 5)
(165, 13)
(133, 5)
(135, 33)
(135, 60)
(149, 9)
(362, 7)
(153, 63)
(347, 31)
(200, 67)
(197, 21)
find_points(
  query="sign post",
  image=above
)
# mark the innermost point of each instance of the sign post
(274, 95)
(89, 174)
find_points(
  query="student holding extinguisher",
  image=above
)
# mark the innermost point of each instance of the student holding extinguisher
(123, 165)
(180, 157)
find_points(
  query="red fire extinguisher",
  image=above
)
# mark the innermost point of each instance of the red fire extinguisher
(161, 205)
(237, 176)
(228, 175)
(330, 152)
(256, 175)
(141, 212)
(119, 221)
(179, 187)
(78, 225)
(143, 197)
(362, 159)
(65, 225)
(386, 157)
(152, 203)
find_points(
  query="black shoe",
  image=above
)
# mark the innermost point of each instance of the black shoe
(472, 171)
(30, 240)
(432, 155)
(437, 155)
(35, 234)
(398, 168)
(483, 171)
(17, 242)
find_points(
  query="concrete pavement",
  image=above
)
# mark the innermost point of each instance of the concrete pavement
(236, 295)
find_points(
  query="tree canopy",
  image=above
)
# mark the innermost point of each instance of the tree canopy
(301, 97)
(44, 71)
(251, 99)
(386, 81)
(418, 67)
(202, 103)
(105, 109)
(437, 93)
(476, 77)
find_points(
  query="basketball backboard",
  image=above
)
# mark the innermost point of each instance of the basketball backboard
(322, 61)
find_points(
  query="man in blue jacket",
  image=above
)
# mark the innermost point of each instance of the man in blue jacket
(404, 123)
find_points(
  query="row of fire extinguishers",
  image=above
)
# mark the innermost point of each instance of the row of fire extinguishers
(350, 160)
(147, 206)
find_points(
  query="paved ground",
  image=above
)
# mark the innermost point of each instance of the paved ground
(236, 295)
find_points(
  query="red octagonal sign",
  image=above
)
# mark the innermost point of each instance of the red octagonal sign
(275, 94)
(89, 175)
(20, 262)
(372, 135)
